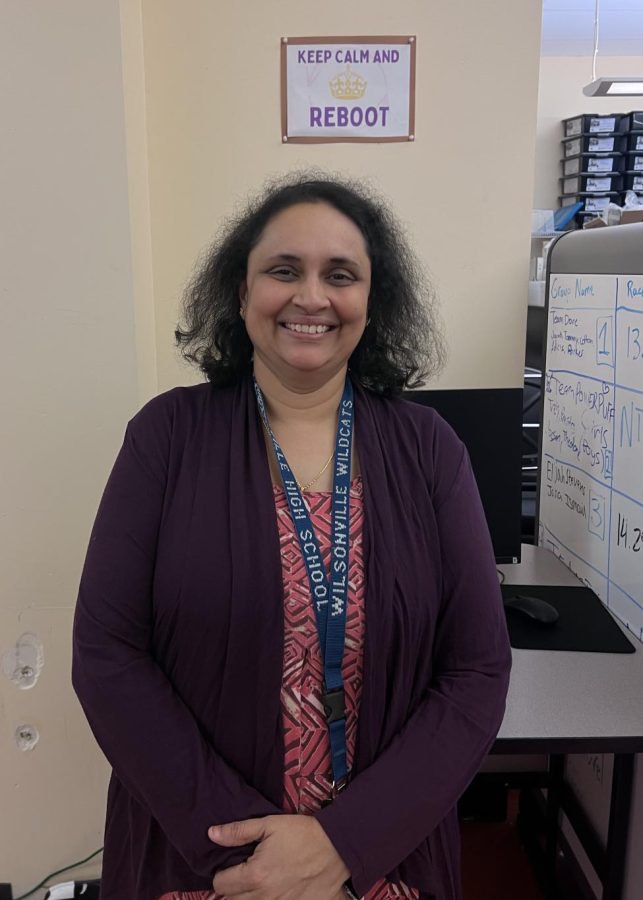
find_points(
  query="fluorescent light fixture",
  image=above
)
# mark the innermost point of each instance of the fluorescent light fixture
(614, 87)
(618, 86)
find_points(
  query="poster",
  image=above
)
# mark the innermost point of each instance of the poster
(347, 89)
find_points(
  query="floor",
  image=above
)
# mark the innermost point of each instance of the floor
(494, 864)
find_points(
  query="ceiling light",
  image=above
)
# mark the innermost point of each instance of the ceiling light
(618, 86)
(614, 87)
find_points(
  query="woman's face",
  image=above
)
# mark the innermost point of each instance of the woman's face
(305, 296)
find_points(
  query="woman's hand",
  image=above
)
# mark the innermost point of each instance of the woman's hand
(295, 860)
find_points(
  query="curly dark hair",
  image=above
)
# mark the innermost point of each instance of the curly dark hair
(402, 344)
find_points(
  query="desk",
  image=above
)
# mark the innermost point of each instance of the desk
(564, 702)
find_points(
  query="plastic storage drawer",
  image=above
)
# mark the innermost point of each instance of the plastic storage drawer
(590, 143)
(592, 202)
(593, 165)
(593, 184)
(633, 121)
(593, 125)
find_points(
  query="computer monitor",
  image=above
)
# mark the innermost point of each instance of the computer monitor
(489, 423)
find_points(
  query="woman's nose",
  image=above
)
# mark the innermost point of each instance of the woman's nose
(312, 295)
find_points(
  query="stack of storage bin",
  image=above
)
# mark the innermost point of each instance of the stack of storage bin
(634, 164)
(594, 162)
(602, 160)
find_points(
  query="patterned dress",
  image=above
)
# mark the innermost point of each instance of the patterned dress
(308, 771)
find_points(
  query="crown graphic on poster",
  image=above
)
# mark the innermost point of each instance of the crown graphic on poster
(348, 85)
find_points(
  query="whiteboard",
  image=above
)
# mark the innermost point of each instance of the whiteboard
(590, 511)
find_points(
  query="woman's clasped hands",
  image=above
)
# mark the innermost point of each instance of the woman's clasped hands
(294, 860)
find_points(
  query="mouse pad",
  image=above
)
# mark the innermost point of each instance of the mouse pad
(583, 622)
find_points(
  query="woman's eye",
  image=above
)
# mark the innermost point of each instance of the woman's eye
(341, 277)
(283, 272)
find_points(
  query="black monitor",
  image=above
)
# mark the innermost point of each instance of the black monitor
(489, 422)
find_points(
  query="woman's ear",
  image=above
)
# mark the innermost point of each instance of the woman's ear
(243, 298)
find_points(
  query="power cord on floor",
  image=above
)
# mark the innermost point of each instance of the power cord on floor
(59, 872)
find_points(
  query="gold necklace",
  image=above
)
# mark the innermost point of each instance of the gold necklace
(304, 487)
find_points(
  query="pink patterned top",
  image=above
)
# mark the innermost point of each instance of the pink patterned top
(308, 771)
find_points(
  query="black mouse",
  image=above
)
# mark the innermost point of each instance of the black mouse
(537, 609)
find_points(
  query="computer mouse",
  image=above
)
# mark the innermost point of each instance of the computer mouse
(534, 607)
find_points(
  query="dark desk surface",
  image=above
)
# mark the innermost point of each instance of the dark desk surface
(568, 702)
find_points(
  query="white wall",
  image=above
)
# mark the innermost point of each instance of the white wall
(70, 379)
(560, 96)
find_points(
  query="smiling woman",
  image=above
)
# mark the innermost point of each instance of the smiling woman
(289, 638)
(402, 345)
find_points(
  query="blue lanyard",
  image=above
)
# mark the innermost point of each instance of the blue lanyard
(330, 595)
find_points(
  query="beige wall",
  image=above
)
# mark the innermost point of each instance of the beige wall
(70, 379)
(464, 187)
(560, 95)
(132, 128)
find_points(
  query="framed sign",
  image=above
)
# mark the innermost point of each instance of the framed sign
(340, 89)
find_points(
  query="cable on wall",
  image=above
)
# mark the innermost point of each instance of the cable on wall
(58, 872)
(595, 56)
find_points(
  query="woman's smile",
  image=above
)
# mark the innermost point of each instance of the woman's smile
(307, 328)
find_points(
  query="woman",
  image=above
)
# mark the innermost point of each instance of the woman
(289, 640)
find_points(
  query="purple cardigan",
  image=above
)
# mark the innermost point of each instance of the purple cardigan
(178, 641)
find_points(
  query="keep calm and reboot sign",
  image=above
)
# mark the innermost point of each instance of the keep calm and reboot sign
(348, 89)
